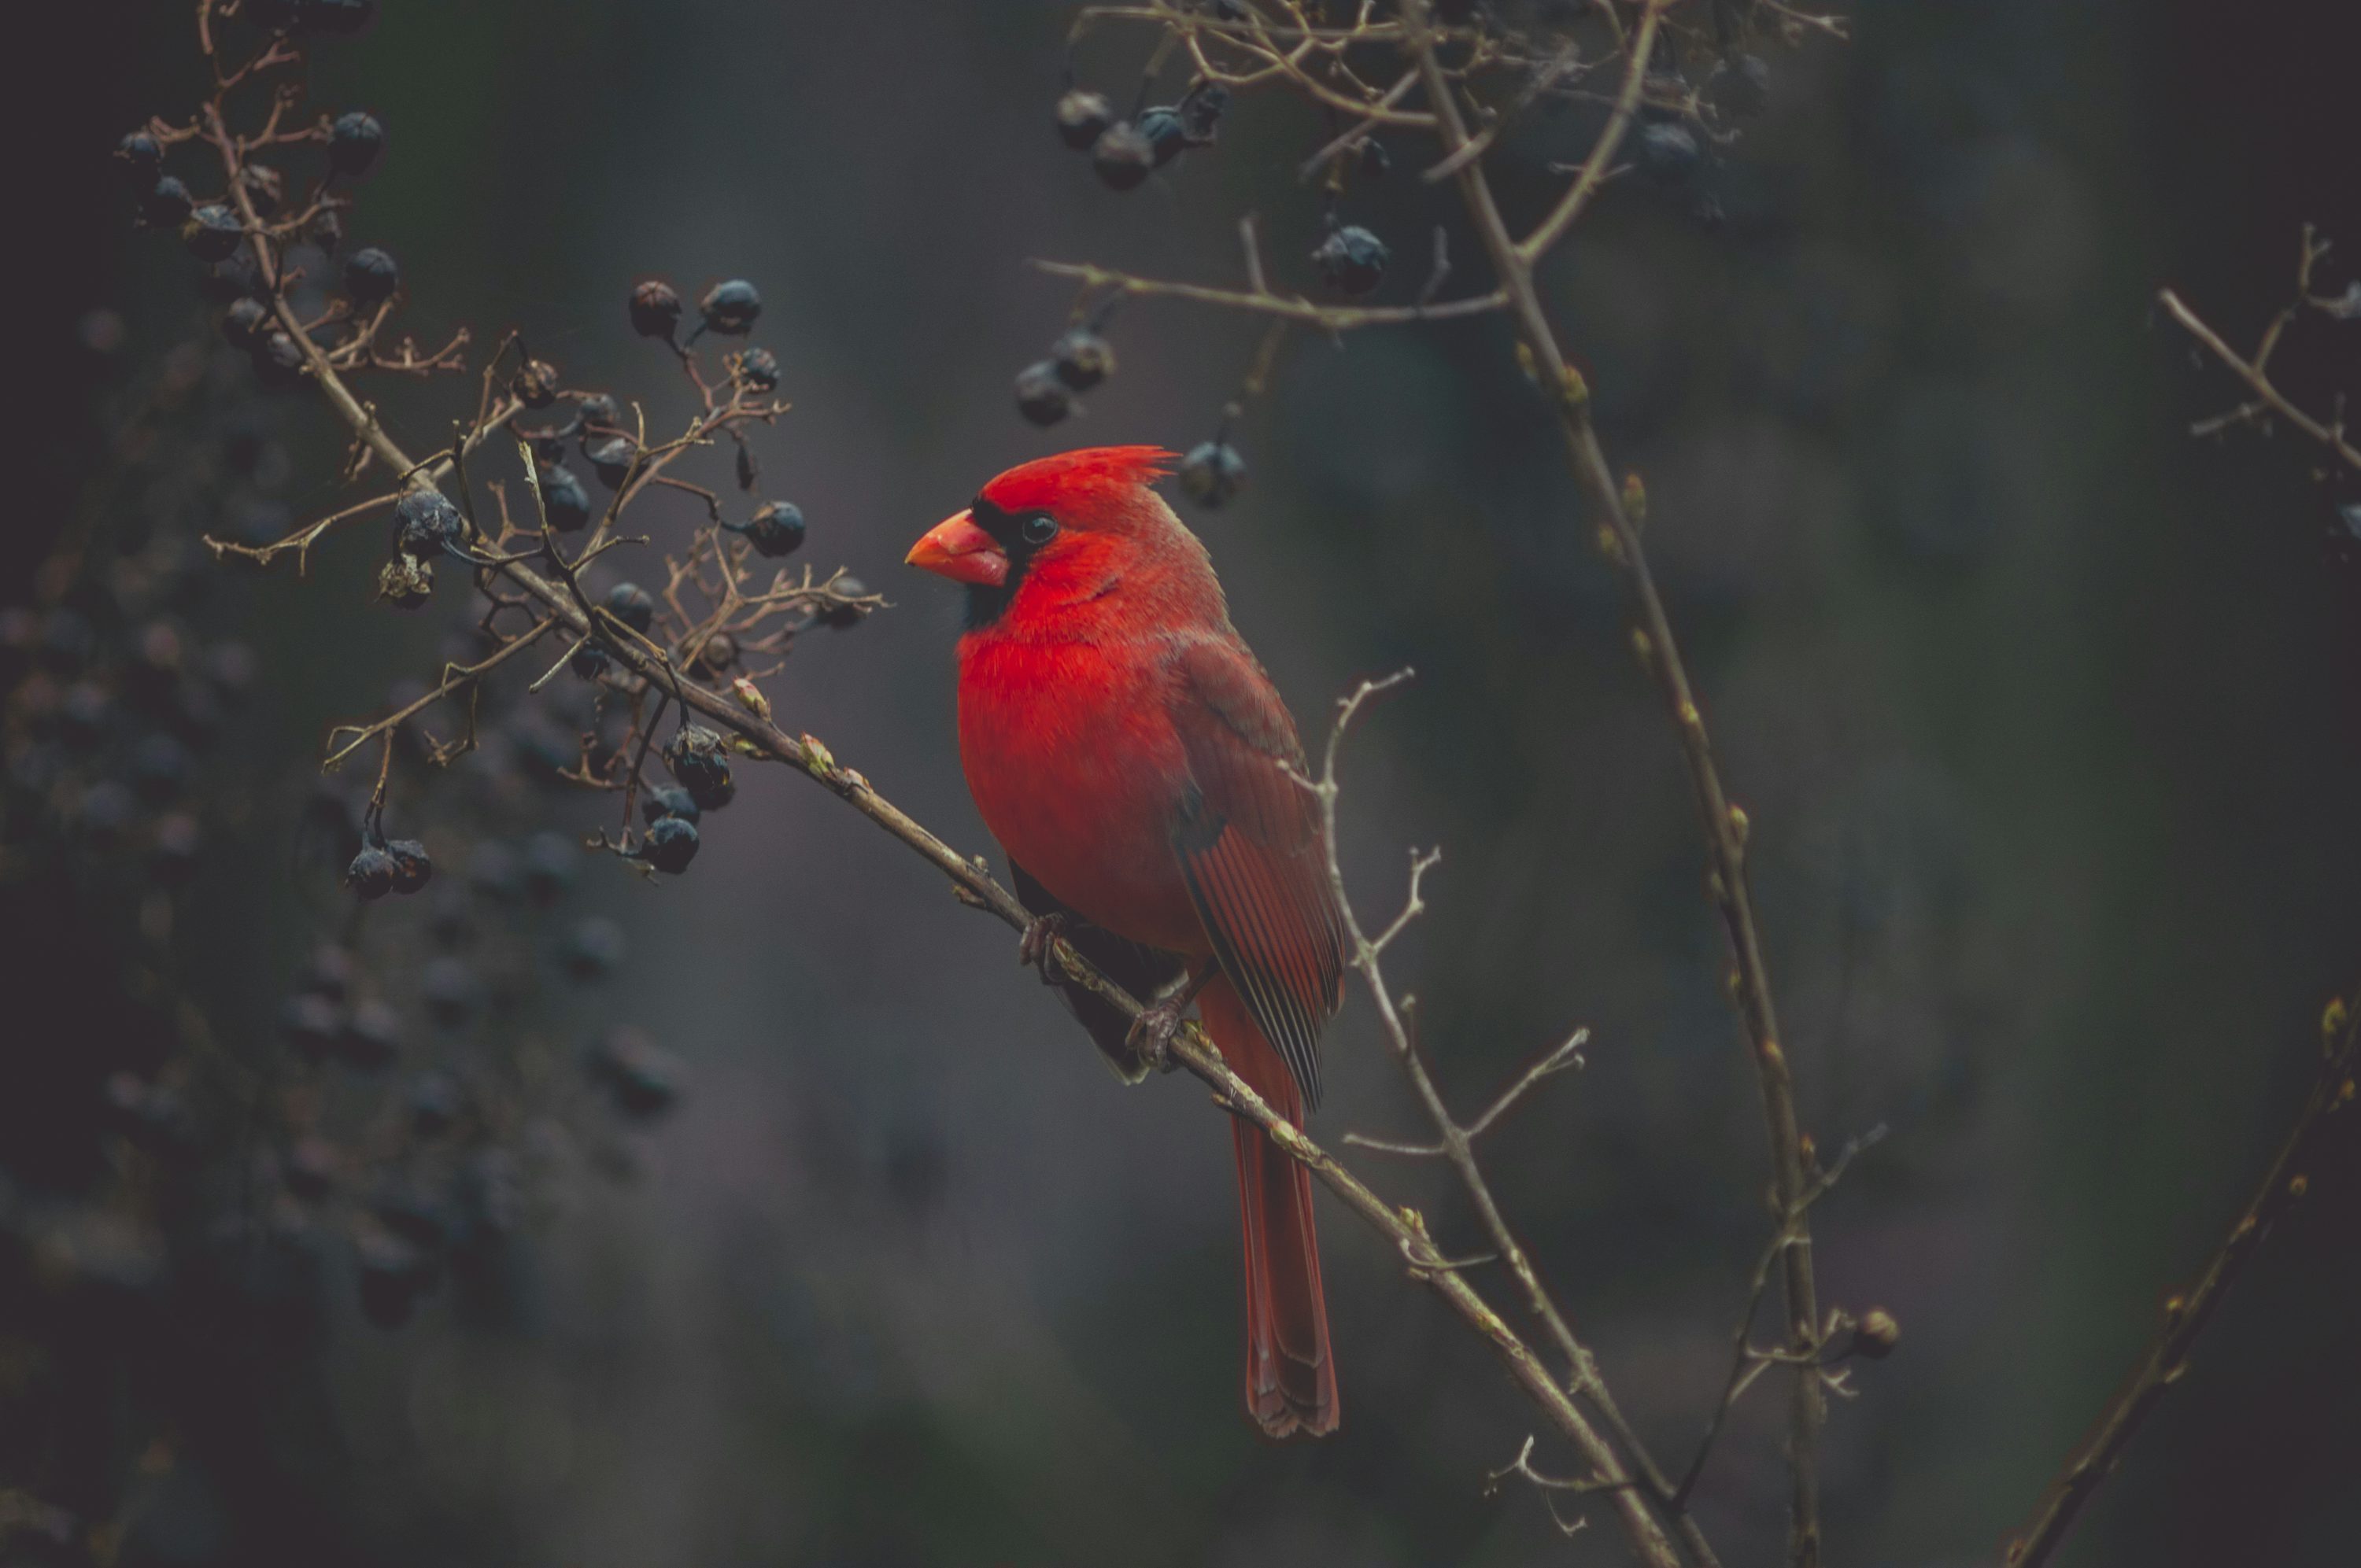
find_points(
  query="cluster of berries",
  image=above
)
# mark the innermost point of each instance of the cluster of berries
(1125, 152)
(1078, 361)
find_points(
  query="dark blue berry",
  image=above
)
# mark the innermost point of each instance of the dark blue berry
(670, 845)
(775, 529)
(1213, 472)
(141, 157)
(372, 874)
(655, 308)
(564, 504)
(425, 523)
(1123, 157)
(729, 308)
(1084, 117)
(165, 204)
(1042, 395)
(371, 276)
(698, 761)
(412, 867)
(667, 800)
(611, 460)
(760, 366)
(631, 604)
(212, 232)
(1352, 260)
(1667, 153)
(1082, 358)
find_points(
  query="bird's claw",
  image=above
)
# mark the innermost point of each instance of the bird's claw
(1152, 1033)
(1042, 933)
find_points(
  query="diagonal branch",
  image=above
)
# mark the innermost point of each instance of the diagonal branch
(2185, 1316)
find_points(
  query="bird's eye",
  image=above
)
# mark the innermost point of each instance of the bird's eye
(1039, 529)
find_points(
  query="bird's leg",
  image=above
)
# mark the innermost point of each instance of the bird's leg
(1151, 1033)
(1040, 934)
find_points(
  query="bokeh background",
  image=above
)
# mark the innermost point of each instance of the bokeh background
(2047, 719)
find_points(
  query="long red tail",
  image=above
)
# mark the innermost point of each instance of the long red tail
(1291, 1373)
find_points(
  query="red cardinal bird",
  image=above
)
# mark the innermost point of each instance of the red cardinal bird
(1131, 756)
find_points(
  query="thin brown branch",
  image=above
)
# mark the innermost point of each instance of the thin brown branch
(2186, 1315)
(1724, 838)
(2253, 373)
(1294, 307)
(1552, 229)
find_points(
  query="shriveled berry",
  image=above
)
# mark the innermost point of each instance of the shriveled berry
(1667, 153)
(1167, 134)
(588, 662)
(670, 845)
(698, 761)
(425, 523)
(212, 232)
(405, 582)
(1082, 119)
(141, 158)
(1352, 260)
(631, 604)
(355, 142)
(655, 308)
(716, 653)
(564, 504)
(667, 800)
(760, 366)
(1042, 396)
(412, 867)
(1213, 472)
(842, 617)
(1877, 1334)
(372, 874)
(1201, 111)
(243, 322)
(612, 459)
(775, 529)
(1082, 358)
(165, 204)
(599, 409)
(535, 384)
(729, 308)
(1123, 157)
(371, 276)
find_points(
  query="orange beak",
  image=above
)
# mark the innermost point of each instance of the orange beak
(956, 548)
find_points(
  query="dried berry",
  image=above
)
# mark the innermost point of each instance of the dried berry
(212, 232)
(535, 384)
(631, 604)
(699, 761)
(1213, 472)
(775, 529)
(1201, 111)
(1082, 119)
(612, 459)
(588, 662)
(1167, 133)
(405, 582)
(564, 504)
(165, 203)
(670, 845)
(1352, 260)
(599, 409)
(371, 276)
(425, 523)
(1042, 395)
(141, 157)
(667, 800)
(243, 322)
(841, 617)
(1877, 1334)
(760, 366)
(655, 308)
(412, 867)
(716, 653)
(1082, 358)
(372, 874)
(1123, 157)
(729, 308)
(1667, 153)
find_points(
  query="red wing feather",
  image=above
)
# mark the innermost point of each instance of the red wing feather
(1251, 844)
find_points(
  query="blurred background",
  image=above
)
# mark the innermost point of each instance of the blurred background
(2048, 719)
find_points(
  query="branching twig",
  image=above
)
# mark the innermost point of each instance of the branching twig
(2185, 1316)
(2256, 371)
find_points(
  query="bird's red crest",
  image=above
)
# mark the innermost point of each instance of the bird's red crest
(1093, 473)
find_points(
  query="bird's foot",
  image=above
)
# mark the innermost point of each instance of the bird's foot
(1033, 948)
(1152, 1032)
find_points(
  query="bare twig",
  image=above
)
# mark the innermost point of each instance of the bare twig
(2255, 372)
(2186, 1315)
